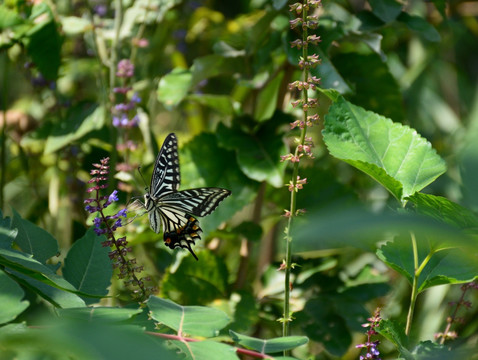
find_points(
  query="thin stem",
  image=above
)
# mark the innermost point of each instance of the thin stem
(287, 318)
(3, 155)
(416, 274)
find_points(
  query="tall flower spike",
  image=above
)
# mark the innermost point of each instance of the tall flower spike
(108, 224)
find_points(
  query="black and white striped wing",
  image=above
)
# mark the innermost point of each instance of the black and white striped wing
(166, 176)
(198, 202)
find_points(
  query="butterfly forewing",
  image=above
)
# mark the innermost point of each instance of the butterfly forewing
(166, 176)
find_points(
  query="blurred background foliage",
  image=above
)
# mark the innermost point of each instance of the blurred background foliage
(216, 73)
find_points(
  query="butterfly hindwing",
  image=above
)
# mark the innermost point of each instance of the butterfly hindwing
(174, 210)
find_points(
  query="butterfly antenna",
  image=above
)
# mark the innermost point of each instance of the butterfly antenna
(142, 177)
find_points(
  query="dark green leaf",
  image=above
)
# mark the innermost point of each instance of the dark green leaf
(266, 101)
(11, 298)
(33, 239)
(214, 65)
(421, 26)
(88, 267)
(259, 153)
(394, 332)
(374, 87)
(270, 345)
(190, 320)
(44, 42)
(196, 284)
(386, 10)
(204, 163)
(221, 103)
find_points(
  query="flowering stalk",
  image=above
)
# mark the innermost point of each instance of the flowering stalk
(108, 224)
(450, 335)
(371, 346)
(304, 143)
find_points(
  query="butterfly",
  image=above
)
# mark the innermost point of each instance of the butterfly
(175, 211)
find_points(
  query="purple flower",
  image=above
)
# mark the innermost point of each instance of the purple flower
(125, 69)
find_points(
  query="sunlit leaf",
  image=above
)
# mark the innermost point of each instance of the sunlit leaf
(391, 153)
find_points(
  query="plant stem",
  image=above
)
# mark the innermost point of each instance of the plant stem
(3, 157)
(416, 274)
(293, 197)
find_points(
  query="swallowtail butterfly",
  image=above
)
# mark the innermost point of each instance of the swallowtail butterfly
(172, 210)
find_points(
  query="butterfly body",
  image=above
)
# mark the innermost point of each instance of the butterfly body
(174, 211)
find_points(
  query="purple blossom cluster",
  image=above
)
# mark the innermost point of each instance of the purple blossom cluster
(124, 112)
(371, 346)
(108, 224)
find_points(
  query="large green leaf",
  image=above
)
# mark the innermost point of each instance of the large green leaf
(391, 153)
(33, 239)
(88, 267)
(421, 26)
(214, 65)
(81, 120)
(11, 298)
(8, 18)
(189, 320)
(270, 345)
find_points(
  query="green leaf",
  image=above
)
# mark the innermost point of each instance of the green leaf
(221, 103)
(266, 101)
(391, 153)
(374, 87)
(445, 266)
(7, 235)
(258, 154)
(9, 18)
(174, 87)
(191, 284)
(11, 298)
(442, 209)
(214, 65)
(74, 25)
(190, 320)
(207, 350)
(36, 275)
(386, 10)
(270, 345)
(53, 293)
(104, 315)
(44, 42)
(83, 340)
(88, 267)
(33, 239)
(394, 332)
(420, 26)
(80, 121)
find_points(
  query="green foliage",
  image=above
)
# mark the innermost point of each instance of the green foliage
(397, 100)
